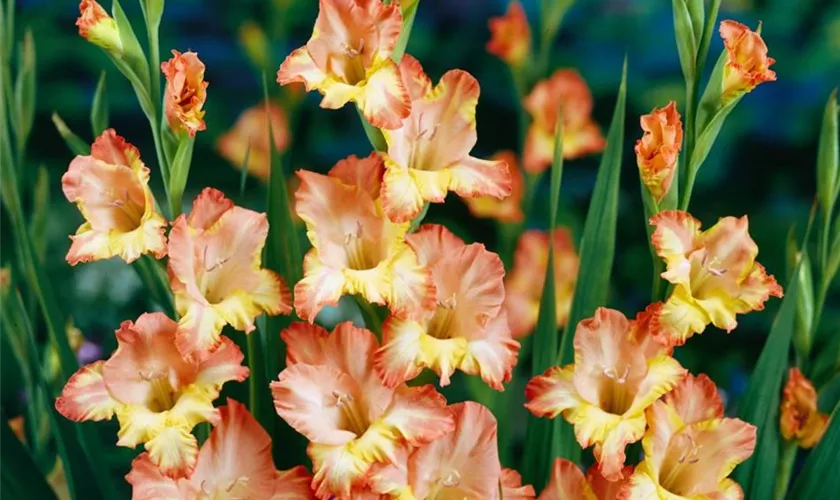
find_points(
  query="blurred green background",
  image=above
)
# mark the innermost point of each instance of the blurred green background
(762, 164)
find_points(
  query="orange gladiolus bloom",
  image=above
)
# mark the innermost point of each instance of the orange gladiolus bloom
(157, 395)
(747, 64)
(618, 372)
(186, 92)
(567, 482)
(467, 330)
(564, 92)
(524, 284)
(462, 464)
(356, 249)
(111, 189)
(348, 59)
(249, 136)
(800, 419)
(659, 148)
(507, 209)
(714, 273)
(330, 393)
(234, 462)
(511, 35)
(430, 154)
(97, 27)
(215, 256)
(690, 448)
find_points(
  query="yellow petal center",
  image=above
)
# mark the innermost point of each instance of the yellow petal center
(442, 323)
(355, 419)
(162, 396)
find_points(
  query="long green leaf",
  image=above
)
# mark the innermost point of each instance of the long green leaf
(99, 107)
(24, 104)
(760, 407)
(282, 255)
(597, 249)
(538, 446)
(74, 143)
(819, 477)
(20, 476)
(686, 38)
(708, 28)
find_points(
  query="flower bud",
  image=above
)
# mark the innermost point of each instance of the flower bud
(747, 64)
(659, 148)
(511, 35)
(186, 92)
(97, 27)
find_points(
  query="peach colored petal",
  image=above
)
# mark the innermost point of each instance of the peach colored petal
(675, 236)
(186, 92)
(462, 464)
(553, 392)
(336, 470)
(111, 189)
(512, 488)
(695, 399)
(149, 483)
(321, 286)
(293, 484)
(432, 242)
(608, 490)
(507, 209)
(493, 355)
(222, 365)
(364, 173)
(415, 80)
(567, 483)
(510, 35)
(174, 450)
(86, 397)
(384, 102)
(303, 397)
(236, 459)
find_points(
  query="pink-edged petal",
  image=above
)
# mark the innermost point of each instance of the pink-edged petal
(222, 365)
(418, 414)
(385, 101)
(676, 234)
(293, 484)
(321, 286)
(412, 291)
(237, 448)
(149, 483)
(401, 355)
(473, 177)
(86, 397)
(402, 199)
(300, 68)
(303, 397)
(493, 354)
(567, 483)
(414, 79)
(553, 392)
(364, 173)
(695, 399)
(305, 343)
(431, 242)
(208, 207)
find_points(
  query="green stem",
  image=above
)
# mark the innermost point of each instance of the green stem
(690, 119)
(783, 474)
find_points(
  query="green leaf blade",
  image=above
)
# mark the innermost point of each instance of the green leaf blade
(819, 477)
(99, 108)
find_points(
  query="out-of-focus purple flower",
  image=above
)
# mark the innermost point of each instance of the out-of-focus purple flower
(89, 352)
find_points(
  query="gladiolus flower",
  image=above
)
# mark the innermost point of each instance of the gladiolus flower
(97, 27)
(567, 482)
(215, 256)
(659, 148)
(507, 209)
(249, 136)
(111, 189)
(511, 35)
(467, 330)
(330, 393)
(747, 64)
(462, 464)
(800, 419)
(618, 372)
(714, 273)
(186, 92)
(430, 154)
(234, 462)
(524, 285)
(356, 249)
(565, 92)
(157, 395)
(348, 59)
(690, 449)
